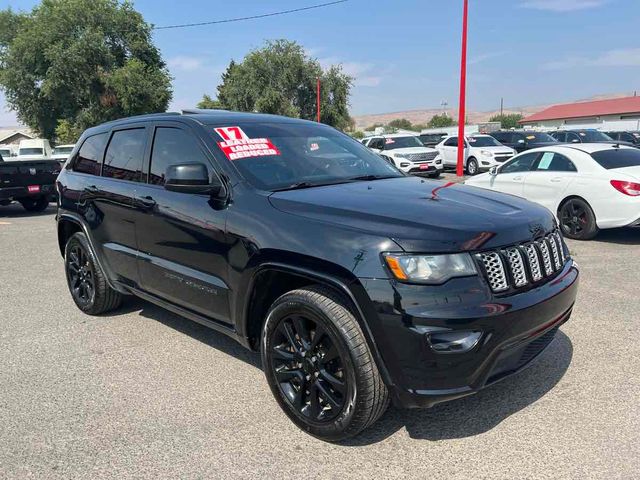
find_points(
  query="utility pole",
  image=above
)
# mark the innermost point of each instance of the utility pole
(501, 106)
(463, 91)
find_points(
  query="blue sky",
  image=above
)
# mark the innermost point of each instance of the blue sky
(405, 53)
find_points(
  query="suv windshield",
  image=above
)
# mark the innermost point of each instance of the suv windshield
(31, 151)
(617, 157)
(483, 142)
(539, 137)
(594, 136)
(391, 143)
(281, 156)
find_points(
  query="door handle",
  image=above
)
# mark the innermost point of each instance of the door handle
(146, 202)
(556, 179)
(517, 179)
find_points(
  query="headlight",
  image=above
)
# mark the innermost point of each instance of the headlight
(486, 153)
(430, 268)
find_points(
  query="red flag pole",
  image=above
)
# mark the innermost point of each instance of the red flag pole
(318, 100)
(463, 89)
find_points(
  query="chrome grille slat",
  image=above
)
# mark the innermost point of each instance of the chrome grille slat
(546, 257)
(516, 264)
(534, 262)
(421, 157)
(519, 265)
(495, 271)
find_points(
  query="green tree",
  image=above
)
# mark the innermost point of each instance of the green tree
(209, 103)
(280, 78)
(74, 63)
(358, 135)
(441, 121)
(507, 120)
(400, 123)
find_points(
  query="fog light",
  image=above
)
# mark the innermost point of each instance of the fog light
(486, 163)
(453, 341)
(404, 164)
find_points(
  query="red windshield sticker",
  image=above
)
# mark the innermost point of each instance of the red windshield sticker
(389, 141)
(237, 145)
(314, 147)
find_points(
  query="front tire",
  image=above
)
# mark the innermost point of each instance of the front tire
(577, 220)
(87, 284)
(39, 204)
(472, 166)
(319, 366)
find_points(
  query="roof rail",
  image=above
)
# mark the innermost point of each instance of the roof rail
(195, 111)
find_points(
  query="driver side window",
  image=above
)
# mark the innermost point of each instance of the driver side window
(522, 163)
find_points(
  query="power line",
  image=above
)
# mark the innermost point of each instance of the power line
(253, 17)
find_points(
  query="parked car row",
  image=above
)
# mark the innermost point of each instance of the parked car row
(589, 186)
(36, 149)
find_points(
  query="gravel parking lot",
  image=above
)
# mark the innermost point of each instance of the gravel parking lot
(146, 394)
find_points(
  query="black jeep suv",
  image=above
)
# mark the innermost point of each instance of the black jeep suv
(358, 284)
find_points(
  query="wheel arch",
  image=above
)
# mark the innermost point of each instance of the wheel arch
(67, 226)
(287, 277)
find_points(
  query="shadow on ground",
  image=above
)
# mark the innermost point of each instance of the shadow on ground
(624, 236)
(15, 210)
(457, 419)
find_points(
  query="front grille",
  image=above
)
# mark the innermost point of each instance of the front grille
(518, 266)
(421, 157)
(502, 158)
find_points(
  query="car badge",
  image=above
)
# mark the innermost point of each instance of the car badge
(32, 171)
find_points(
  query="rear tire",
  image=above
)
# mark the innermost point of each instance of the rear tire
(86, 281)
(39, 204)
(319, 366)
(472, 166)
(577, 220)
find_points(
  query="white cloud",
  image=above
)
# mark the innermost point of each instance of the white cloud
(185, 63)
(562, 5)
(622, 57)
(483, 57)
(364, 74)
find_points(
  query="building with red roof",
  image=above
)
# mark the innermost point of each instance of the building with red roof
(595, 112)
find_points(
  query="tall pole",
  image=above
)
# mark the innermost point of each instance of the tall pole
(501, 106)
(463, 90)
(318, 99)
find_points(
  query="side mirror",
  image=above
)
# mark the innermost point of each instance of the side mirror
(192, 178)
(493, 171)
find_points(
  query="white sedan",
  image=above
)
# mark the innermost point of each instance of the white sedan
(587, 186)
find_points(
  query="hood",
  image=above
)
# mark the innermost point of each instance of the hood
(410, 150)
(422, 215)
(496, 149)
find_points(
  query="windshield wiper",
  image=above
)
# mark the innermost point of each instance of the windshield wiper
(301, 185)
(367, 178)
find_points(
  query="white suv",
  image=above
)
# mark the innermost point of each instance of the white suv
(407, 153)
(481, 153)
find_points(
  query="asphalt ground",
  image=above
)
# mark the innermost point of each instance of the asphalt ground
(143, 393)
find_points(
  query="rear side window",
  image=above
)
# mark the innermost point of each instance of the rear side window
(124, 156)
(451, 142)
(172, 146)
(555, 162)
(90, 155)
(523, 163)
(617, 158)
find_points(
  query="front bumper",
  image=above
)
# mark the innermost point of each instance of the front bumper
(515, 330)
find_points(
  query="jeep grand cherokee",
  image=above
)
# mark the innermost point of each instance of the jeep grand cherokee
(357, 283)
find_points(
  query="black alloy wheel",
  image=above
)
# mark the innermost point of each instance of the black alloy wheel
(80, 275)
(319, 366)
(577, 220)
(308, 368)
(87, 284)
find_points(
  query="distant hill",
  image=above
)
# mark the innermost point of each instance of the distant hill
(424, 115)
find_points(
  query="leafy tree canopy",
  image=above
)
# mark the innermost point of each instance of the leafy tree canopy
(280, 78)
(507, 120)
(77, 63)
(441, 121)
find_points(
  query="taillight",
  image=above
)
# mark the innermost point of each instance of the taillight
(628, 188)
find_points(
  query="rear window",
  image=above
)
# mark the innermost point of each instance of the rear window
(31, 151)
(617, 158)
